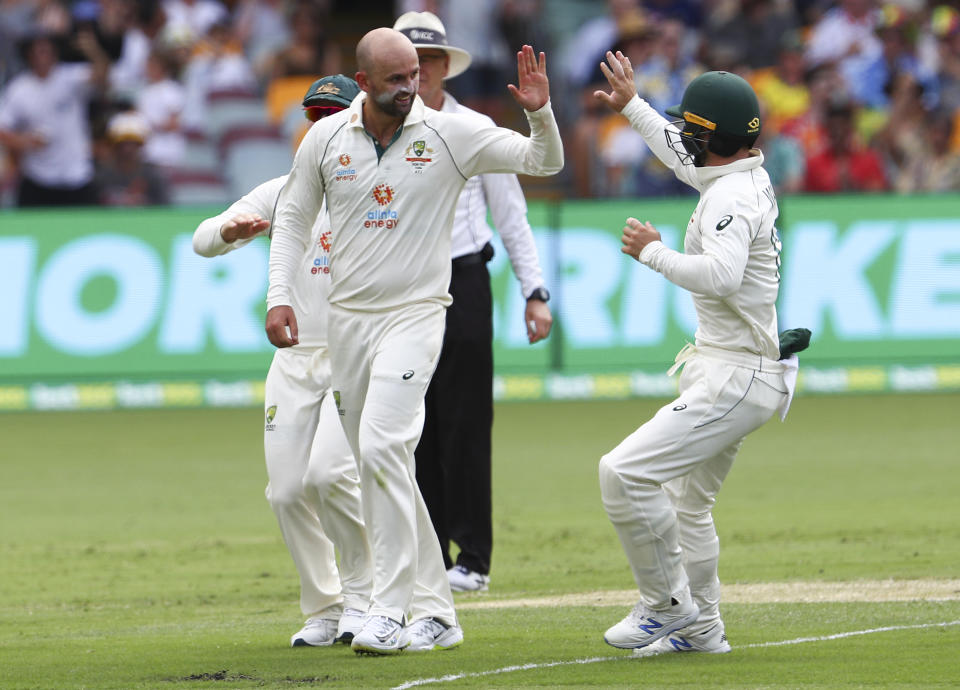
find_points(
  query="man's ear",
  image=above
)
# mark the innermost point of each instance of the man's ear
(362, 81)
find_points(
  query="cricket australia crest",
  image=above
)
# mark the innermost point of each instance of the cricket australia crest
(418, 155)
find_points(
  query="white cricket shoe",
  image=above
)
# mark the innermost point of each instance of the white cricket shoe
(713, 641)
(429, 633)
(644, 626)
(351, 622)
(463, 580)
(316, 632)
(380, 635)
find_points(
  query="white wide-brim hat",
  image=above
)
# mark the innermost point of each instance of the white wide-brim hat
(425, 30)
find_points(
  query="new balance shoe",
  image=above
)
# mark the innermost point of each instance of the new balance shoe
(429, 633)
(316, 632)
(351, 622)
(713, 641)
(644, 626)
(464, 580)
(380, 635)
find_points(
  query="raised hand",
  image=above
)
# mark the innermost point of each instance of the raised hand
(534, 87)
(242, 226)
(619, 74)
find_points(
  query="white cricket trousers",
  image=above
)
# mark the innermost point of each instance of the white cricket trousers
(314, 487)
(659, 485)
(382, 365)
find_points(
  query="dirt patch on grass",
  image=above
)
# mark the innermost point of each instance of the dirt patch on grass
(757, 593)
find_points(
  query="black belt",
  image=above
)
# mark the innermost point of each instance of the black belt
(480, 257)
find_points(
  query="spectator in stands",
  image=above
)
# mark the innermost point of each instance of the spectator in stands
(161, 104)
(904, 124)
(311, 51)
(217, 64)
(584, 50)
(194, 17)
(473, 26)
(126, 178)
(782, 89)
(783, 157)
(662, 79)
(754, 29)
(262, 28)
(932, 166)
(844, 165)
(129, 72)
(845, 34)
(870, 80)
(945, 25)
(44, 122)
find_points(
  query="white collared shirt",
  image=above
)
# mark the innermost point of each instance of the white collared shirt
(731, 253)
(311, 286)
(392, 217)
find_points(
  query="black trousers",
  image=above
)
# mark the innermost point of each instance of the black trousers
(34, 194)
(453, 457)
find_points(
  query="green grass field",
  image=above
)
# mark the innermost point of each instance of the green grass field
(137, 551)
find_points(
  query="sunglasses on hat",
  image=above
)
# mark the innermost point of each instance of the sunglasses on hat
(318, 112)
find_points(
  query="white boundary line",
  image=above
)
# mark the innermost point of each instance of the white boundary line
(592, 660)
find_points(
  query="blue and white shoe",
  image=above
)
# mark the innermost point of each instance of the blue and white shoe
(644, 626)
(712, 641)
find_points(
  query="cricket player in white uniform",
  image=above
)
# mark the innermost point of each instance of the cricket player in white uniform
(660, 483)
(313, 488)
(391, 172)
(454, 454)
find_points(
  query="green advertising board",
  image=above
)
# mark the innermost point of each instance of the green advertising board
(111, 308)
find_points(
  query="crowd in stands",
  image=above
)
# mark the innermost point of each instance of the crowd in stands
(141, 102)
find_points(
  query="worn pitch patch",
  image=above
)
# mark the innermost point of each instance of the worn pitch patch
(756, 593)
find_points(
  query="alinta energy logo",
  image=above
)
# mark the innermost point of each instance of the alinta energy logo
(344, 173)
(321, 263)
(387, 218)
(270, 416)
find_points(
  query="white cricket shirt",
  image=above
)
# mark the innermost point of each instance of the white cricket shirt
(311, 285)
(731, 253)
(55, 108)
(393, 216)
(502, 195)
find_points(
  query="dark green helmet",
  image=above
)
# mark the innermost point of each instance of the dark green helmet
(722, 105)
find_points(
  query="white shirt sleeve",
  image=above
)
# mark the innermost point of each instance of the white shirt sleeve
(508, 209)
(297, 209)
(497, 149)
(718, 270)
(207, 240)
(652, 127)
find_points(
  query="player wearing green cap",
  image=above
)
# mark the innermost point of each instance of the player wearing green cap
(313, 488)
(659, 485)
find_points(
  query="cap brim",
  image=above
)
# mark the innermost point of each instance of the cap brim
(459, 58)
(674, 110)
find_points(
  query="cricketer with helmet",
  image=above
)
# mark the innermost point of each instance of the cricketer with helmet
(659, 485)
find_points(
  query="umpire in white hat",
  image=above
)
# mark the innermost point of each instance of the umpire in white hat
(453, 457)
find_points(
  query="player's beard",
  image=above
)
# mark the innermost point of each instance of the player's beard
(387, 101)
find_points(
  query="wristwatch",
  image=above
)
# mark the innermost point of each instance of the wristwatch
(541, 293)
